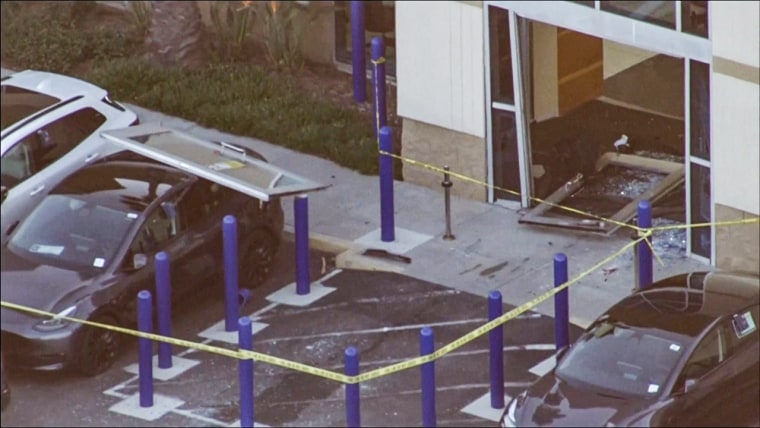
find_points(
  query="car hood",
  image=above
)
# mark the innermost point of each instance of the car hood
(553, 402)
(36, 285)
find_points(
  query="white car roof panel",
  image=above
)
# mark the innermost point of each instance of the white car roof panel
(56, 85)
(221, 163)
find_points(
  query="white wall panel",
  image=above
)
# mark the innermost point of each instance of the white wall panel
(736, 143)
(735, 30)
(440, 62)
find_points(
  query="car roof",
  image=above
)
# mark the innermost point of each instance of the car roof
(125, 184)
(53, 84)
(686, 304)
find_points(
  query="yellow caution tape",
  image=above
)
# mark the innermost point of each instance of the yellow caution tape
(327, 374)
(641, 232)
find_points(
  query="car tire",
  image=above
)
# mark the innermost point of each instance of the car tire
(98, 347)
(257, 258)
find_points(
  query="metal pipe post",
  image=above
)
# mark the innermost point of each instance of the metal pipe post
(358, 61)
(379, 110)
(561, 312)
(446, 183)
(644, 221)
(353, 415)
(301, 214)
(245, 368)
(496, 356)
(164, 303)
(427, 346)
(145, 346)
(387, 226)
(231, 305)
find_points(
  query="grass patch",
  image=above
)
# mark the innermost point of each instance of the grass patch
(236, 98)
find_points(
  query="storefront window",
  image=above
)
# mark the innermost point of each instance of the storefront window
(502, 89)
(506, 162)
(379, 20)
(700, 210)
(694, 17)
(661, 13)
(699, 109)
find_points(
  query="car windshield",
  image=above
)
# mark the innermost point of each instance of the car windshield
(622, 361)
(71, 233)
(18, 103)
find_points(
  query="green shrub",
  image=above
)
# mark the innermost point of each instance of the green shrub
(43, 35)
(246, 100)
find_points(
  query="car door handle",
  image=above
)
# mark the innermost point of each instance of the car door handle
(37, 190)
(90, 157)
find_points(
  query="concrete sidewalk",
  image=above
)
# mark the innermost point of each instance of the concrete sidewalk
(491, 250)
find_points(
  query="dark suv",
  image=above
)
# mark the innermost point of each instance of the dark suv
(683, 352)
(88, 248)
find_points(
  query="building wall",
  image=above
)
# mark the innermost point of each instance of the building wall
(735, 108)
(440, 73)
(441, 92)
(465, 154)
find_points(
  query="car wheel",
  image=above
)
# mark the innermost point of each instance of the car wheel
(98, 347)
(257, 258)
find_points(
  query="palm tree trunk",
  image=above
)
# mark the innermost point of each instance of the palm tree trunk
(175, 36)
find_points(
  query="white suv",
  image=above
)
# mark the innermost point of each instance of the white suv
(51, 127)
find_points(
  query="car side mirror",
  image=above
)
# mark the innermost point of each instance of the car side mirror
(139, 260)
(689, 384)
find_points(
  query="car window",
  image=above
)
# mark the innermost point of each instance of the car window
(16, 165)
(19, 103)
(72, 233)
(618, 360)
(202, 202)
(48, 144)
(157, 230)
(719, 344)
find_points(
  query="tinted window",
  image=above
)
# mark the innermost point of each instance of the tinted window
(71, 233)
(48, 144)
(620, 361)
(18, 103)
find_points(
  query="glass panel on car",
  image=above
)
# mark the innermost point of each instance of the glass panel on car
(19, 103)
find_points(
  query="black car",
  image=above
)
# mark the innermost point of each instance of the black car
(88, 248)
(682, 352)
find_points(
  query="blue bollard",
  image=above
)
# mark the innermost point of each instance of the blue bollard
(379, 111)
(353, 415)
(387, 226)
(231, 304)
(496, 344)
(644, 221)
(358, 54)
(561, 312)
(427, 346)
(145, 346)
(164, 308)
(301, 214)
(245, 368)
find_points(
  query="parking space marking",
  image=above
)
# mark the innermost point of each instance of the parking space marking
(162, 405)
(179, 366)
(288, 296)
(544, 366)
(481, 408)
(378, 330)
(216, 332)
